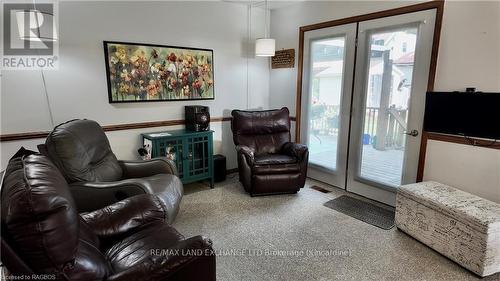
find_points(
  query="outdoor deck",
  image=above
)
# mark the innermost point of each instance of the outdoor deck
(384, 166)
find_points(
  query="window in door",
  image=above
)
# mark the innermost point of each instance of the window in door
(326, 74)
(387, 104)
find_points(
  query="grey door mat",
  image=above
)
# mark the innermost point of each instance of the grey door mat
(363, 211)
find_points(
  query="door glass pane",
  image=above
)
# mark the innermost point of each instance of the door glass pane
(172, 149)
(388, 90)
(197, 156)
(326, 76)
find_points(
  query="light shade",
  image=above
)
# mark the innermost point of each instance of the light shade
(42, 26)
(265, 47)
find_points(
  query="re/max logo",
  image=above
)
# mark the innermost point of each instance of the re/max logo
(180, 252)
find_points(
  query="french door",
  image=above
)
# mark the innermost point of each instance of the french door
(328, 78)
(364, 88)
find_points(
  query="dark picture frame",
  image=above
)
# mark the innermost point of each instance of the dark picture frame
(138, 72)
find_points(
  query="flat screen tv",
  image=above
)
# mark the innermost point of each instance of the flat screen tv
(466, 114)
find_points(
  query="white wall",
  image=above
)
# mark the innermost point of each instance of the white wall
(469, 49)
(473, 169)
(469, 56)
(78, 89)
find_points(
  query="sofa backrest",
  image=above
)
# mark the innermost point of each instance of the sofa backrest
(38, 215)
(264, 131)
(81, 150)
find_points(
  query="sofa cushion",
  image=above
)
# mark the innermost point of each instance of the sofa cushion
(136, 248)
(264, 131)
(81, 150)
(275, 164)
(274, 159)
(38, 212)
(276, 169)
(89, 264)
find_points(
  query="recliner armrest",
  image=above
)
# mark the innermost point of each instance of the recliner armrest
(90, 196)
(296, 150)
(146, 168)
(126, 215)
(190, 259)
(248, 152)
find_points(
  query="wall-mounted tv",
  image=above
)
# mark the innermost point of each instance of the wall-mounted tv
(473, 114)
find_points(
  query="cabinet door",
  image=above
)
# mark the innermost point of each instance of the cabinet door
(174, 150)
(198, 157)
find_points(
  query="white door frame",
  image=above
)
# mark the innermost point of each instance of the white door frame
(425, 22)
(335, 177)
(437, 6)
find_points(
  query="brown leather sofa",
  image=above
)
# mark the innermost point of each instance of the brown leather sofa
(268, 162)
(43, 234)
(81, 151)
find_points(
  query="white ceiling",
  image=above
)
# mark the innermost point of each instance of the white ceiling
(272, 4)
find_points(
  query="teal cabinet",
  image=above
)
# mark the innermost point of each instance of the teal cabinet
(191, 151)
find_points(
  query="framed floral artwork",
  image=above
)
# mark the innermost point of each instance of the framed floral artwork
(143, 73)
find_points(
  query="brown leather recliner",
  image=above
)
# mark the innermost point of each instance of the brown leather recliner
(43, 234)
(268, 162)
(81, 151)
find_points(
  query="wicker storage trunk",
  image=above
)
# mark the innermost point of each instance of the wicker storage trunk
(457, 224)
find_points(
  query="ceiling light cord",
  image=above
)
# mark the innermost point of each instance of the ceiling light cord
(52, 123)
(249, 50)
(266, 31)
(46, 93)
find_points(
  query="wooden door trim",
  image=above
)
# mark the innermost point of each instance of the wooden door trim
(437, 4)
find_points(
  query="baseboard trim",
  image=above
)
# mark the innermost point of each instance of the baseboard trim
(230, 171)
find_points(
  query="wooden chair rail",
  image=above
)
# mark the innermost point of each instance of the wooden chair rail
(110, 128)
(426, 136)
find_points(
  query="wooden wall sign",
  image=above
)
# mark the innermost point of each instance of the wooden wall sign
(283, 59)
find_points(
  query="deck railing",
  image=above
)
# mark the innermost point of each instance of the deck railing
(326, 122)
(395, 127)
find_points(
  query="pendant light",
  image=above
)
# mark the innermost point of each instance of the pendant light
(265, 47)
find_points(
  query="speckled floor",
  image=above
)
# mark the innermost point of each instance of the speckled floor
(294, 237)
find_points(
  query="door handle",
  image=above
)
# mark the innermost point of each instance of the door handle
(412, 133)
